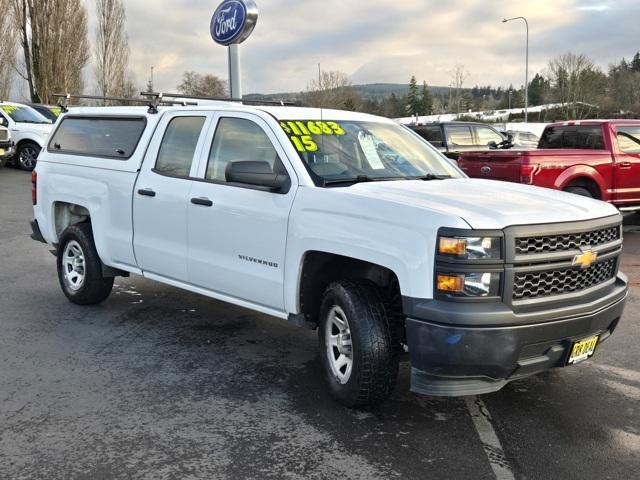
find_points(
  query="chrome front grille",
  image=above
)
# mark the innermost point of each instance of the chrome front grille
(572, 241)
(4, 135)
(559, 281)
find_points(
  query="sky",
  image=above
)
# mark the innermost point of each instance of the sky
(376, 41)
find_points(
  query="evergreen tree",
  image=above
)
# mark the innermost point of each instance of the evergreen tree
(414, 102)
(635, 63)
(427, 100)
(536, 90)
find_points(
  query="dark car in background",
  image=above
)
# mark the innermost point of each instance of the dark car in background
(48, 111)
(454, 138)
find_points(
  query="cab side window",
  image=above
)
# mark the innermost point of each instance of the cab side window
(239, 140)
(487, 135)
(179, 146)
(459, 135)
(431, 134)
(629, 139)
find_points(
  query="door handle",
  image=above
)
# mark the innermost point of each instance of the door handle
(204, 201)
(147, 192)
(625, 164)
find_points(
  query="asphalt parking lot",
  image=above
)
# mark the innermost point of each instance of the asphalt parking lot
(158, 383)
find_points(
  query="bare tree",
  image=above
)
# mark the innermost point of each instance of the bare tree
(8, 47)
(198, 85)
(112, 48)
(458, 76)
(332, 89)
(55, 48)
(576, 83)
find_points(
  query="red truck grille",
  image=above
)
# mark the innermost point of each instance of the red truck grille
(558, 243)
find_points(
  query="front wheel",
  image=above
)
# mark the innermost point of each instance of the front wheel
(27, 155)
(80, 268)
(359, 357)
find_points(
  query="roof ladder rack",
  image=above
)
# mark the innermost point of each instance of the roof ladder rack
(153, 104)
(281, 103)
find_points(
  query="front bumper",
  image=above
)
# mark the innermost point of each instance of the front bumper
(455, 357)
(7, 150)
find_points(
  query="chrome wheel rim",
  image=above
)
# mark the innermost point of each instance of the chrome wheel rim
(73, 265)
(28, 156)
(339, 349)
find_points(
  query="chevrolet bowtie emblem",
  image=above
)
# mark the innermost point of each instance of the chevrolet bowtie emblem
(585, 259)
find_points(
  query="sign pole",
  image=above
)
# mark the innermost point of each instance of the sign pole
(231, 24)
(235, 74)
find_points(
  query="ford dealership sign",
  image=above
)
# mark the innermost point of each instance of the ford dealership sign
(233, 21)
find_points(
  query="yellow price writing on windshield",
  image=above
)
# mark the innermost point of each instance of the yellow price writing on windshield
(9, 108)
(304, 143)
(311, 127)
(302, 132)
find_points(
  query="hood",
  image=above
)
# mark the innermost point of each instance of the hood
(39, 128)
(488, 204)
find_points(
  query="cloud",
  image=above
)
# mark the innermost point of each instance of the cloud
(377, 40)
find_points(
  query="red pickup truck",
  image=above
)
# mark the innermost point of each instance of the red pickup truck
(595, 158)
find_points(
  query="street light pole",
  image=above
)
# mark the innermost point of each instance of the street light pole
(526, 69)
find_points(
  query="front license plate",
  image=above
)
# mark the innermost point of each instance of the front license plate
(1, 151)
(582, 350)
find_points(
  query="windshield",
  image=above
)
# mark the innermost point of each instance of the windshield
(20, 114)
(354, 151)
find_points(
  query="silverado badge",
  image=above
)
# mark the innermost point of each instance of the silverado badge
(585, 259)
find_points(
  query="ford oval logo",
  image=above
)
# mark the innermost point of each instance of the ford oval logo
(233, 21)
(486, 170)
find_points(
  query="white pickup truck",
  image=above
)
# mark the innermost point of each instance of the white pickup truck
(340, 221)
(29, 131)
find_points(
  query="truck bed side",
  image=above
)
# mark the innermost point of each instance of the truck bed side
(71, 186)
(549, 168)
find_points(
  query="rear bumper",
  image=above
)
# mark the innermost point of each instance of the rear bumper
(458, 359)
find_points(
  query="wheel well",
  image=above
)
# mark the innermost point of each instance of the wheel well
(585, 183)
(319, 269)
(26, 140)
(66, 214)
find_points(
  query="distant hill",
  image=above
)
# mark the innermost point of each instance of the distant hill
(369, 91)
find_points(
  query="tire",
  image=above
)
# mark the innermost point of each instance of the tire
(80, 268)
(582, 191)
(26, 156)
(373, 370)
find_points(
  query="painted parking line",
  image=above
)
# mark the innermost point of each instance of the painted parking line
(490, 442)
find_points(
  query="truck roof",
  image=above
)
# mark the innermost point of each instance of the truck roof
(280, 113)
(595, 122)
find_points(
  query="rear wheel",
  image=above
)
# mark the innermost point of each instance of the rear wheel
(582, 191)
(26, 156)
(80, 268)
(359, 357)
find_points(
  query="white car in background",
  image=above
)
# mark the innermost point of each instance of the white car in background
(29, 130)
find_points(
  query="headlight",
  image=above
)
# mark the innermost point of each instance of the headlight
(475, 284)
(470, 248)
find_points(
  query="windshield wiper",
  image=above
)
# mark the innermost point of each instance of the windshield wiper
(431, 176)
(360, 179)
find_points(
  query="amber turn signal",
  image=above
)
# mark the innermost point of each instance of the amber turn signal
(453, 246)
(451, 283)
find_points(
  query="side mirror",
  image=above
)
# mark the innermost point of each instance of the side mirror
(259, 174)
(3, 122)
(492, 145)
